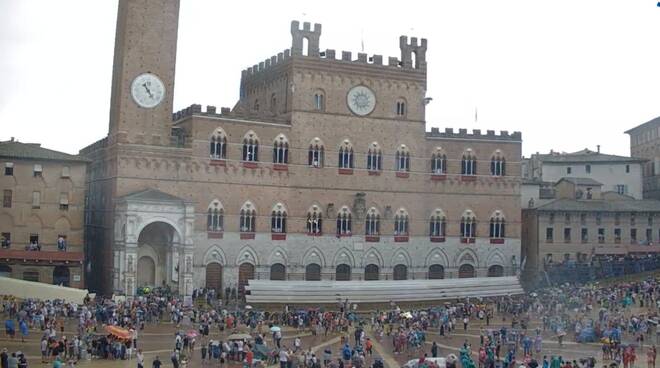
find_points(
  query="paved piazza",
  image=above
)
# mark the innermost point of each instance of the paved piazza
(158, 339)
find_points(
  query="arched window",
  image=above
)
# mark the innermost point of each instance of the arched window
(438, 223)
(402, 159)
(343, 272)
(315, 156)
(401, 223)
(400, 107)
(497, 225)
(215, 217)
(248, 218)
(278, 219)
(319, 101)
(250, 147)
(436, 272)
(468, 225)
(278, 272)
(466, 271)
(313, 272)
(468, 163)
(497, 164)
(400, 272)
(346, 155)
(344, 222)
(281, 150)
(314, 221)
(374, 157)
(372, 224)
(495, 271)
(439, 162)
(218, 145)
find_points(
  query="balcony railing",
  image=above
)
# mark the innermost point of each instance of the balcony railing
(43, 255)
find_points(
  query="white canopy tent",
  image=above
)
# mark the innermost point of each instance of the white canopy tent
(36, 290)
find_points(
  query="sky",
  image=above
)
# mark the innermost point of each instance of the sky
(568, 74)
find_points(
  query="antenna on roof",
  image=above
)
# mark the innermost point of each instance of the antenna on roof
(476, 117)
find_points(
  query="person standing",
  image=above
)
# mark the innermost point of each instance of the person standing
(284, 358)
(156, 363)
(651, 354)
(434, 350)
(140, 359)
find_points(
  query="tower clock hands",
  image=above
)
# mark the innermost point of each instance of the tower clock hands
(148, 91)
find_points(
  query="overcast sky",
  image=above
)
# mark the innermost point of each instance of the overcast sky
(568, 74)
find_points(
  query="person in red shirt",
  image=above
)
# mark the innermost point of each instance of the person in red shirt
(249, 357)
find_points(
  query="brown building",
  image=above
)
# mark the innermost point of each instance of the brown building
(645, 143)
(322, 170)
(42, 213)
(583, 222)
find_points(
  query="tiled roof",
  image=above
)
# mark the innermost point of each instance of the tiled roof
(648, 124)
(585, 156)
(599, 205)
(14, 149)
(581, 181)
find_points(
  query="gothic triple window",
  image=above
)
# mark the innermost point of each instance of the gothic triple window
(372, 224)
(250, 147)
(278, 219)
(248, 218)
(281, 150)
(374, 157)
(346, 156)
(344, 222)
(401, 223)
(215, 217)
(402, 158)
(315, 154)
(218, 145)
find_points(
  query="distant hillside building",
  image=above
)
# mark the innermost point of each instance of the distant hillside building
(42, 214)
(645, 144)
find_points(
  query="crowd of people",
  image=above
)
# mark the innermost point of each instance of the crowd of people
(622, 317)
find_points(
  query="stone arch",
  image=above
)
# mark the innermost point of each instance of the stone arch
(278, 255)
(176, 238)
(314, 255)
(218, 132)
(7, 219)
(401, 256)
(62, 226)
(437, 256)
(373, 256)
(495, 258)
(344, 255)
(467, 256)
(215, 254)
(247, 255)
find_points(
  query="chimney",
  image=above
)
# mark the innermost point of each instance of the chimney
(598, 148)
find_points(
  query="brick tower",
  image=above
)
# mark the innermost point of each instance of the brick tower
(145, 42)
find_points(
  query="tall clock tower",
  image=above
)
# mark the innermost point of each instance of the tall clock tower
(143, 72)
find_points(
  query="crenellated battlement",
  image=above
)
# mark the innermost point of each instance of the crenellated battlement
(504, 135)
(312, 35)
(196, 109)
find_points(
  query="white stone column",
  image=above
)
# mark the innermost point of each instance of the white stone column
(130, 270)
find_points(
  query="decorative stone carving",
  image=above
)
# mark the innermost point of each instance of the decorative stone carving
(359, 205)
(330, 211)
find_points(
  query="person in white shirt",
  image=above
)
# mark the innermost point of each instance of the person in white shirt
(284, 358)
(140, 359)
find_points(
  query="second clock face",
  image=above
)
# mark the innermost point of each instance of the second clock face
(361, 100)
(147, 90)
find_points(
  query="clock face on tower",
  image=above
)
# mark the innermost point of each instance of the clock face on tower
(147, 90)
(361, 100)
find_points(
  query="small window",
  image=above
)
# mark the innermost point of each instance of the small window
(250, 148)
(344, 222)
(34, 238)
(400, 108)
(649, 236)
(584, 235)
(633, 236)
(66, 172)
(346, 156)
(468, 164)
(627, 169)
(401, 223)
(621, 189)
(319, 101)
(567, 235)
(617, 235)
(281, 150)
(402, 158)
(568, 170)
(7, 198)
(37, 171)
(36, 200)
(9, 169)
(64, 201)
(315, 154)
(468, 225)
(601, 235)
(5, 240)
(218, 145)
(439, 162)
(497, 224)
(372, 224)
(497, 165)
(587, 168)
(374, 158)
(278, 220)
(549, 234)
(247, 219)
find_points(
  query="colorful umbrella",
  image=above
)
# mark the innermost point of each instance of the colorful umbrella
(192, 333)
